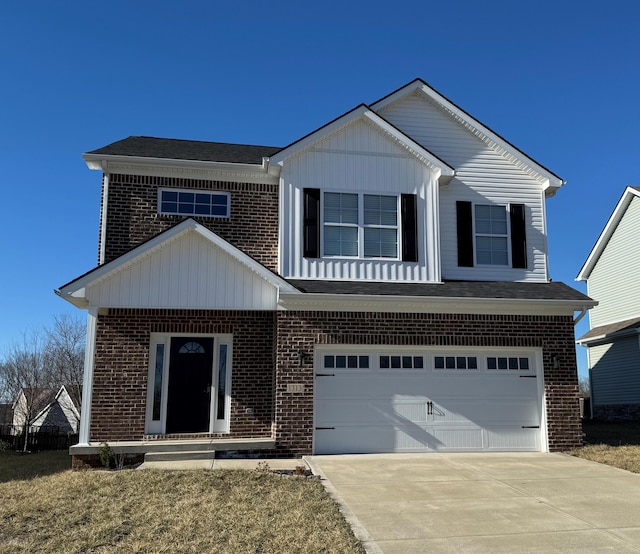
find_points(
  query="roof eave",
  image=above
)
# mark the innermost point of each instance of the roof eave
(101, 162)
(441, 304)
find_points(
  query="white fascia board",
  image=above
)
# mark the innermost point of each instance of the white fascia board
(607, 232)
(165, 166)
(365, 113)
(75, 293)
(551, 182)
(432, 304)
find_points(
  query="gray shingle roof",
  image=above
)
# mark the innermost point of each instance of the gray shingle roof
(449, 289)
(612, 328)
(177, 149)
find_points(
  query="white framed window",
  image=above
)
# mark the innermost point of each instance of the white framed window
(200, 203)
(360, 225)
(491, 234)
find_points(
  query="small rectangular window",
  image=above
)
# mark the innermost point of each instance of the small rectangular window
(491, 235)
(524, 363)
(157, 382)
(418, 362)
(198, 203)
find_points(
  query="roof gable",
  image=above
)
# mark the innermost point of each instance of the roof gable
(605, 236)
(185, 266)
(364, 113)
(474, 126)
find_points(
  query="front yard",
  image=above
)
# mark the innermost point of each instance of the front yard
(45, 507)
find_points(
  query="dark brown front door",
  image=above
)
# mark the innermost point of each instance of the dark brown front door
(189, 396)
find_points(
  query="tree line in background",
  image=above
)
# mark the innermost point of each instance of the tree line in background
(40, 362)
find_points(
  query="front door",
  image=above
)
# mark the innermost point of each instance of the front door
(189, 391)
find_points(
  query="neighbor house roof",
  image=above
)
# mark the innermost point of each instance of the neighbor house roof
(178, 149)
(612, 330)
(621, 207)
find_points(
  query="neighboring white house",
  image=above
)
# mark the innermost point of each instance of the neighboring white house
(612, 274)
(48, 410)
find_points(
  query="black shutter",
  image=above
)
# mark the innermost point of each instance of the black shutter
(518, 236)
(311, 223)
(464, 224)
(409, 222)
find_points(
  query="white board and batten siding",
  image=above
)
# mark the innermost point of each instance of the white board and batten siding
(615, 279)
(615, 371)
(357, 159)
(188, 272)
(483, 175)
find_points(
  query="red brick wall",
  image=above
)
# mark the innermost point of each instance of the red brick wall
(120, 376)
(133, 217)
(300, 331)
(122, 362)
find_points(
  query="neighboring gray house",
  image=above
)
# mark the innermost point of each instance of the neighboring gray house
(612, 274)
(49, 410)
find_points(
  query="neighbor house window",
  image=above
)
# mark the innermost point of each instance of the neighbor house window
(194, 203)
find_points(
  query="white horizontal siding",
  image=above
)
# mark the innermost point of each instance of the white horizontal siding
(483, 175)
(615, 372)
(615, 279)
(357, 159)
(188, 272)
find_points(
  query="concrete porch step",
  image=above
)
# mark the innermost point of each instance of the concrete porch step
(179, 455)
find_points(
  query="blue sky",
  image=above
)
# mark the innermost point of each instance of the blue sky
(559, 79)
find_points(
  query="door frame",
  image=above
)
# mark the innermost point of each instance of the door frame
(160, 344)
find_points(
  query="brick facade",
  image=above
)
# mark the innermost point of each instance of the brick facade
(122, 365)
(298, 332)
(285, 340)
(133, 217)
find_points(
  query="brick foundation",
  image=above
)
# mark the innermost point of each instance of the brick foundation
(617, 412)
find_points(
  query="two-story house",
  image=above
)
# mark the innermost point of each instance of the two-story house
(612, 274)
(379, 285)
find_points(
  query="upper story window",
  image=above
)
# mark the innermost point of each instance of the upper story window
(360, 225)
(357, 225)
(491, 235)
(194, 202)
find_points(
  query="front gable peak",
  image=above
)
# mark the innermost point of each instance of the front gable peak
(364, 113)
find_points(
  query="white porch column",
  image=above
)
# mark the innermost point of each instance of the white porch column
(87, 381)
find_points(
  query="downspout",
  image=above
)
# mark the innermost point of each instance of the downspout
(580, 315)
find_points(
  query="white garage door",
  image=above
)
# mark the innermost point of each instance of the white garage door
(372, 399)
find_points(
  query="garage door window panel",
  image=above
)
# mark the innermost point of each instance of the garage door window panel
(455, 362)
(391, 362)
(346, 361)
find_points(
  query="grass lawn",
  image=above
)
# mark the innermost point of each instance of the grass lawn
(44, 507)
(615, 444)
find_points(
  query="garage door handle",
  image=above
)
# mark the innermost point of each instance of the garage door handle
(323, 428)
(325, 374)
(527, 376)
(531, 426)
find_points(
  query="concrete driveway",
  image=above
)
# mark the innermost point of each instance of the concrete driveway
(490, 502)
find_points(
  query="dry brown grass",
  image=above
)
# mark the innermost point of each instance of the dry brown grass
(624, 457)
(170, 511)
(613, 443)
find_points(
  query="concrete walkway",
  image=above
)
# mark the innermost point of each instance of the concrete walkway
(490, 502)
